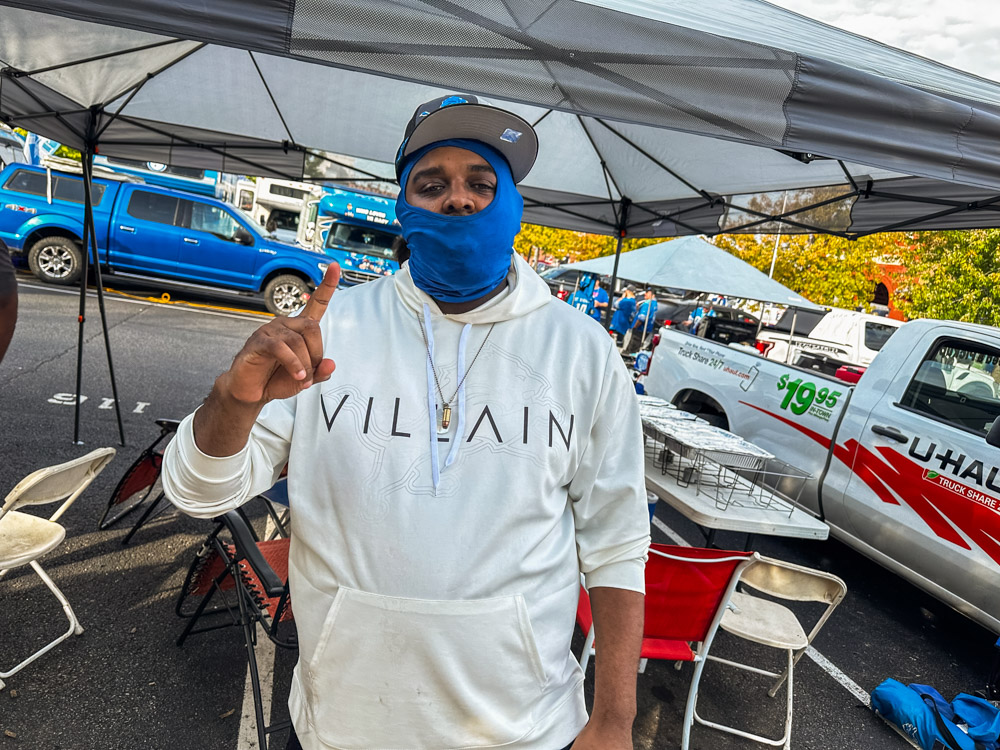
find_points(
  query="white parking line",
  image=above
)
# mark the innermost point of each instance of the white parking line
(825, 664)
(831, 669)
(265, 649)
(671, 534)
(248, 719)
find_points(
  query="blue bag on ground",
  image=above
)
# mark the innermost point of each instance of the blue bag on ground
(982, 717)
(930, 721)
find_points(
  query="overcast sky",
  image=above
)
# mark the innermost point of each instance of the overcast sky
(962, 33)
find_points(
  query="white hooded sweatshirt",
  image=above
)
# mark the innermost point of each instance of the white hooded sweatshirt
(434, 577)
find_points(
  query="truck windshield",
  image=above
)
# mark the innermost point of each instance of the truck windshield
(364, 240)
(876, 334)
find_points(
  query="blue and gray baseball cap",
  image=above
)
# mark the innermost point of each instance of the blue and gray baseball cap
(466, 116)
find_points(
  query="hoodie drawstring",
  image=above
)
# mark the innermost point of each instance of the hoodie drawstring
(460, 426)
(432, 400)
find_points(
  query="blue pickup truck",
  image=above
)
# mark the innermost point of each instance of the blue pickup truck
(154, 234)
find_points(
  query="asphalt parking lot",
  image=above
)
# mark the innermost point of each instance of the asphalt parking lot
(124, 685)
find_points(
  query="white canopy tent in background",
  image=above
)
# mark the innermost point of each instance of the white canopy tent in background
(681, 264)
(655, 119)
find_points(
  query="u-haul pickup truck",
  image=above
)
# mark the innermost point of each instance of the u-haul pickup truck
(900, 466)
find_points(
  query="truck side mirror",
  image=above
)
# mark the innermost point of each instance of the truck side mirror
(993, 436)
(243, 237)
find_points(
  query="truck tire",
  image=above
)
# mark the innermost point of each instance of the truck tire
(57, 260)
(285, 294)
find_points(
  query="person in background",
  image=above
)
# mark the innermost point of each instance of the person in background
(8, 299)
(621, 321)
(695, 318)
(644, 323)
(582, 299)
(599, 302)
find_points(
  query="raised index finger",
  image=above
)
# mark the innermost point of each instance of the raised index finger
(318, 302)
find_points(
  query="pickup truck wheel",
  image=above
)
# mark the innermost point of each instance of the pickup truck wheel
(57, 260)
(285, 294)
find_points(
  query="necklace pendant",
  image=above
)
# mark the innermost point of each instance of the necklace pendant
(445, 417)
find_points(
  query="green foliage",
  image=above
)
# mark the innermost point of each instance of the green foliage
(824, 269)
(560, 243)
(952, 276)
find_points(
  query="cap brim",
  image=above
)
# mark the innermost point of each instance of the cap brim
(509, 134)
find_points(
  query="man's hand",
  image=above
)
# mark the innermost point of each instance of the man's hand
(596, 736)
(285, 356)
(278, 361)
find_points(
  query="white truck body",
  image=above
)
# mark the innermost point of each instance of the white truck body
(900, 467)
(845, 335)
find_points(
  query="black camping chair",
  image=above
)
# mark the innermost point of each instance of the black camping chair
(140, 484)
(238, 579)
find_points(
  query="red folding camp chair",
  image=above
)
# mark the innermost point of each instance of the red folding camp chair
(233, 564)
(140, 484)
(687, 589)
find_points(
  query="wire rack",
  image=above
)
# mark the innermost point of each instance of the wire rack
(731, 471)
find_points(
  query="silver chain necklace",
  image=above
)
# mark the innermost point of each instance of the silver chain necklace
(445, 419)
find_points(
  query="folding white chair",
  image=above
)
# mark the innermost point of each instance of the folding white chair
(24, 537)
(769, 623)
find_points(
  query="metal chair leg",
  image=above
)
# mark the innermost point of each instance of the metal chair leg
(75, 628)
(143, 518)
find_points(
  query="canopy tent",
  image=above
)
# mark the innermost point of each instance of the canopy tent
(694, 265)
(654, 119)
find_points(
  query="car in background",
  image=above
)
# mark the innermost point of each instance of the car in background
(827, 338)
(564, 281)
(727, 325)
(676, 313)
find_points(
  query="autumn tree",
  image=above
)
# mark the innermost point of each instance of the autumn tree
(561, 243)
(952, 276)
(822, 268)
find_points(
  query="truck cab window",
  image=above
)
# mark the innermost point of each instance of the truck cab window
(153, 207)
(214, 220)
(959, 383)
(63, 188)
(876, 334)
(361, 239)
(246, 200)
(23, 181)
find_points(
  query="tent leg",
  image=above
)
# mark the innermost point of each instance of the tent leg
(88, 178)
(81, 316)
(623, 212)
(614, 282)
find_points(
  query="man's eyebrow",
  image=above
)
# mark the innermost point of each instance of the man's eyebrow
(428, 172)
(482, 168)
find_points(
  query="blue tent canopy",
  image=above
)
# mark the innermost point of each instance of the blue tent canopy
(695, 265)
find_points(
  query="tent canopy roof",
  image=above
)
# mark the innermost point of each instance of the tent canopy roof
(654, 118)
(692, 264)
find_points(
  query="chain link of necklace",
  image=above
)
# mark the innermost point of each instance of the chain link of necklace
(446, 405)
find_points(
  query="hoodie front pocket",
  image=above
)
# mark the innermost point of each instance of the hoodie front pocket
(414, 674)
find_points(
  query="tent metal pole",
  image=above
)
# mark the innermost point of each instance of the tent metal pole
(81, 315)
(622, 229)
(88, 203)
(791, 335)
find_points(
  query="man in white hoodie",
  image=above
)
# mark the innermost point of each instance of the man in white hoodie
(449, 478)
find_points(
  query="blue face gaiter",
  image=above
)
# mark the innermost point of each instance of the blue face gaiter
(461, 258)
